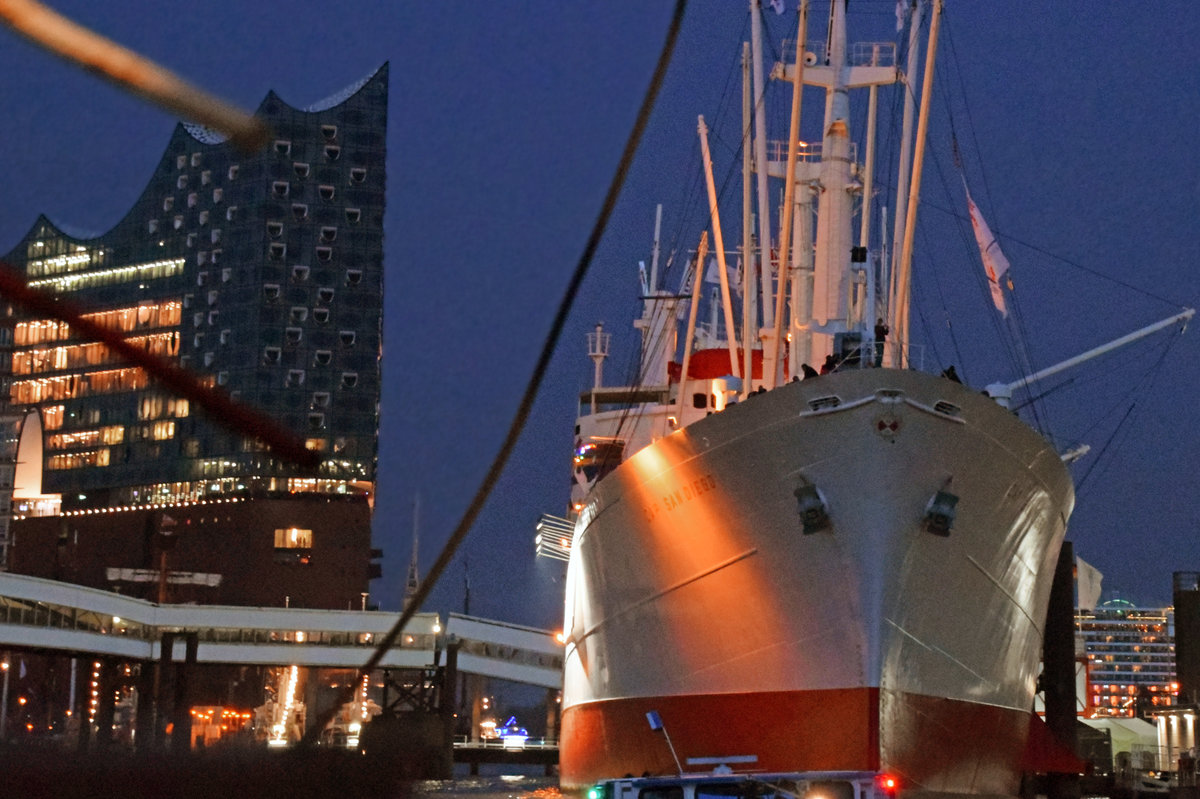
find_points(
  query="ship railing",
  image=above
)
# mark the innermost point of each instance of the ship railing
(912, 356)
(464, 742)
(858, 54)
(806, 153)
(1141, 760)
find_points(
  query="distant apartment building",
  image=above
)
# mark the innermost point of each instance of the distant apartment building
(263, 273)
(1130, 658)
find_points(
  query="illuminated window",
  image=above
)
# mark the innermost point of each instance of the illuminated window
(233, 172)
(157, 406)
(78, 460)
(293, 538)
(195, 159)
(218, 195)
(206, 177)
(52, 417)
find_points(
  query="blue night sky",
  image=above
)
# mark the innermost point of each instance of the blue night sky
(1077, 120)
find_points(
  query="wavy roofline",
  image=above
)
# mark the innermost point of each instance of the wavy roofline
(206, 135)
(203, 136)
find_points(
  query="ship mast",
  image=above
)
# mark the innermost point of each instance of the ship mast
(904, 270)
(657, 323)
(895, 357)
(831, 308)
(789, 215)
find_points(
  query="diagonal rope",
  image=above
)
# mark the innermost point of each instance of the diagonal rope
(534, 385)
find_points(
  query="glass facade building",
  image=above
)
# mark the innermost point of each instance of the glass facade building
(262, 272)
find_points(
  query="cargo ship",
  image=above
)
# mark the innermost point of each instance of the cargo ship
(784, 569)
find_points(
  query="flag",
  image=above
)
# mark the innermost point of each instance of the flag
(1087, 579)
(777, 6)
(994, 262)
(713, 273)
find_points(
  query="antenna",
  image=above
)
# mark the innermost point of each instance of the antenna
(598, 351)
(656, 724)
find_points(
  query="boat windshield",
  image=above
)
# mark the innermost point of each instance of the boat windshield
(781, 789)
(596, 459)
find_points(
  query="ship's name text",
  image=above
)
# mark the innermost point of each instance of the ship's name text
(675, 498)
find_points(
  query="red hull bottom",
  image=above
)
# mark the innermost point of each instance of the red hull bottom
(932, 744)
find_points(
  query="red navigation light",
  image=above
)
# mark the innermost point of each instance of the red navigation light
(887, 783)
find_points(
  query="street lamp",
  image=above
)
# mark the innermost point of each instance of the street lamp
(4, 701)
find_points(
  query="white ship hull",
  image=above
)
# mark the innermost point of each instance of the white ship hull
(872, 644)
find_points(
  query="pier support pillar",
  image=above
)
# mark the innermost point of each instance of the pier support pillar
(145, 720)
(181, 716)
(1058, 674)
